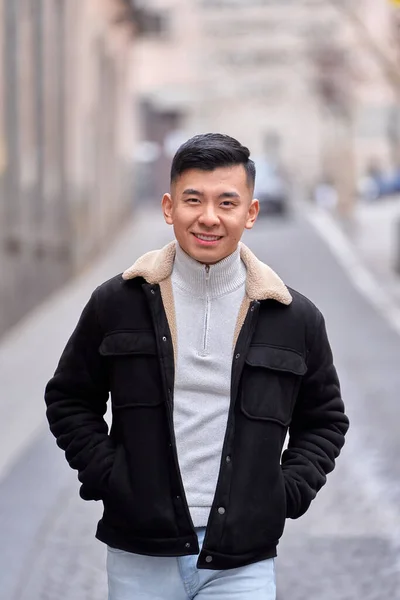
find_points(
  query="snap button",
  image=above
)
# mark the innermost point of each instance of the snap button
(187, 545)
(152, 291)
(252, 309)
(208, 559)
(178, 497)
(237, 356)
(221, 510)
(164, 338)
(228, 459)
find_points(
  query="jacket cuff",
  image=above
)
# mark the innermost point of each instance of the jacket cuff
(95, 478)
(297, 501)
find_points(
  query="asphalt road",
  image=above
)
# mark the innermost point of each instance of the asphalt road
(347, 547)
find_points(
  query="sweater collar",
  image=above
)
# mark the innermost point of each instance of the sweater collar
(215, 280)
(262, 282)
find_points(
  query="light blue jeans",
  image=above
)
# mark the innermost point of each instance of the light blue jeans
(137, 577)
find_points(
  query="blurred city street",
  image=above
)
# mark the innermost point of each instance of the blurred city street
(347, 546)
(96, 96)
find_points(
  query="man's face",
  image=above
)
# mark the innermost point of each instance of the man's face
(209, 211)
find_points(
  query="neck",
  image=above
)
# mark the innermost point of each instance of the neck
(202, 279)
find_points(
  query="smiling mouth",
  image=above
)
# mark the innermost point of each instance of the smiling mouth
(207, 238)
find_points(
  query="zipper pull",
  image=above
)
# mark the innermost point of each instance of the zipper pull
(207, 267)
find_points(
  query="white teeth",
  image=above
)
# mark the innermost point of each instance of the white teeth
(208, 238)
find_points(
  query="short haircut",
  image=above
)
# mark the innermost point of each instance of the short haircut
(208, 151)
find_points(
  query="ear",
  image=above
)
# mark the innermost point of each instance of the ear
(252, 215)
(166, 204)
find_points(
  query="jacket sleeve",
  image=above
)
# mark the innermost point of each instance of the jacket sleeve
(317, 429)
(76, 399)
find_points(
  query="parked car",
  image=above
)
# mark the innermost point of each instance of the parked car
(379, 184)
(271, 188)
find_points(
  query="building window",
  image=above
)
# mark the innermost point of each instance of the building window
(152, 23)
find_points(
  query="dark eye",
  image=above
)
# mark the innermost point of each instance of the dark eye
(227, 203)
(192, 200)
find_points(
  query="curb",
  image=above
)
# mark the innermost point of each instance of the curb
(359, 274)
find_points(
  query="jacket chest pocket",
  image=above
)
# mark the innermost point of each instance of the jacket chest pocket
(271, 379)
(133, 368)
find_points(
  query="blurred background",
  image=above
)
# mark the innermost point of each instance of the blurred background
(95, 98)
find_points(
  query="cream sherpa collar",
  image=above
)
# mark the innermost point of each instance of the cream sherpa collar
(262, 282)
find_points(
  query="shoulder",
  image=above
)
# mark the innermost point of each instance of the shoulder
(116, 293)
(295, 323)
(306, 313)
(116, 286)
(304, 306)
(120, 304)
(292, 326)
(300, 306)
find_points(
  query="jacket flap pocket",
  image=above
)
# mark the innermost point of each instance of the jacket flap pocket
(277, 359)
(120, 343)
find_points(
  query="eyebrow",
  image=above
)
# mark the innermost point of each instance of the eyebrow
(193, 192)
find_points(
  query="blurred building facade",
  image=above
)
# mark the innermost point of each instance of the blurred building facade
(359, 84)
(66, 141)
(308, 82)
(299, 80)
(376, 27)
(242, 68)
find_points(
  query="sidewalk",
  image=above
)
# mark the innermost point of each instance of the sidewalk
(366, 249)
(376, 239)
(30, 351)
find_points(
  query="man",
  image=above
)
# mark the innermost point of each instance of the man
(210, 359)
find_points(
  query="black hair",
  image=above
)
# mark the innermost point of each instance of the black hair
(208, 151)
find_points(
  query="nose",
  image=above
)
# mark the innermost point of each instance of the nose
(208, 217)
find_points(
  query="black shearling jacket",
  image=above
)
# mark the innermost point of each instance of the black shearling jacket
(283, 379)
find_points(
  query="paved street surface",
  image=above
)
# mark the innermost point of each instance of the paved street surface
(347, 547)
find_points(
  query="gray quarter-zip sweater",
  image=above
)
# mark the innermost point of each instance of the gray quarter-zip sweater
(207, 302)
